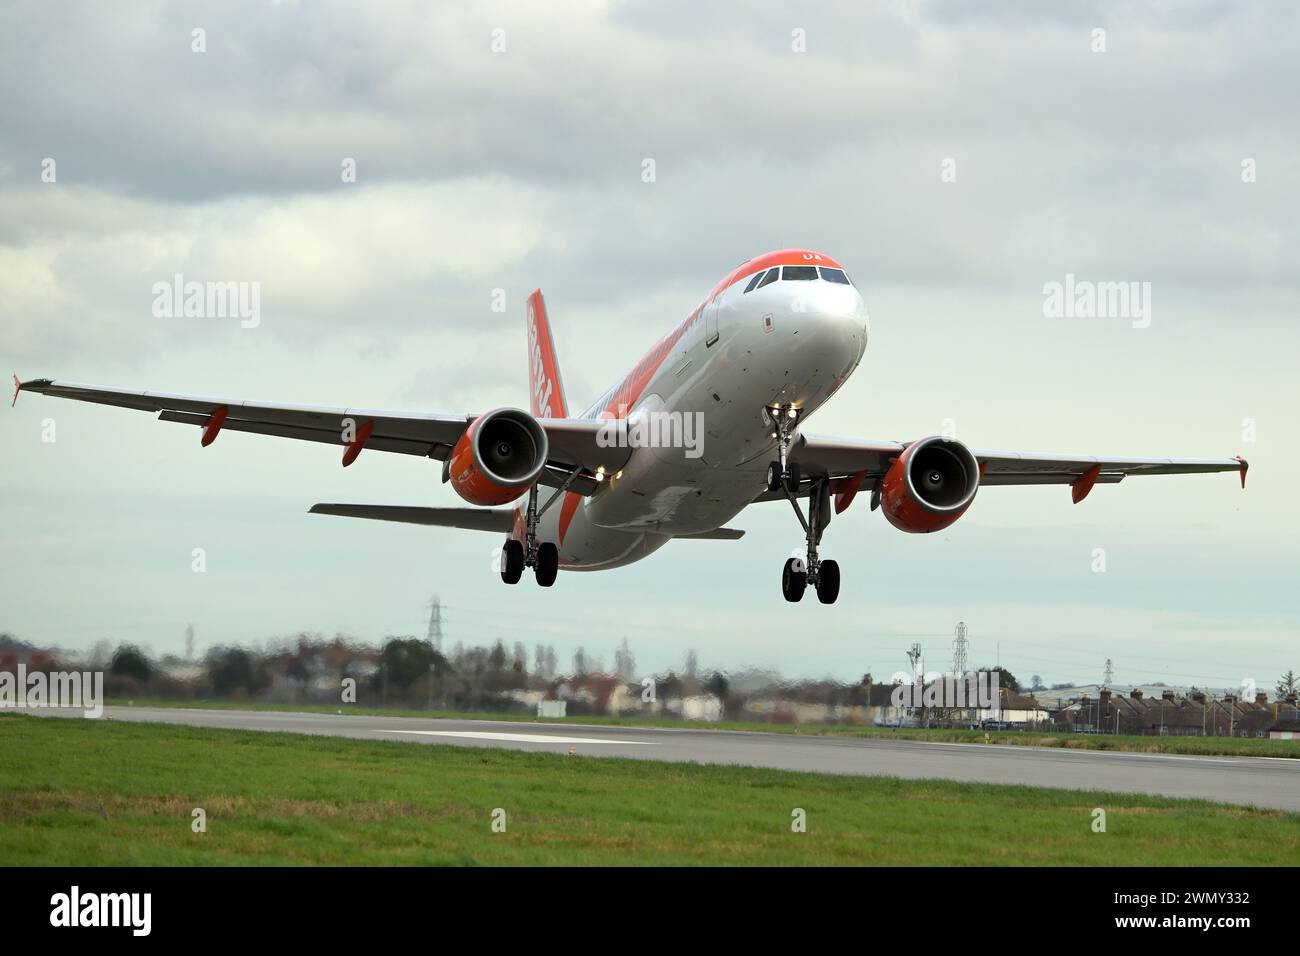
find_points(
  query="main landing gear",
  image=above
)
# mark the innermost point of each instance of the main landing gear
(543, 557)
(783, 475)
(545, 562)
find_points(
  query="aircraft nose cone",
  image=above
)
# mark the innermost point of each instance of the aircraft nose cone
(834, 325)
(811, 342)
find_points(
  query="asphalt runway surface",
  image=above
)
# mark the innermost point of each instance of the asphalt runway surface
(1260, 781)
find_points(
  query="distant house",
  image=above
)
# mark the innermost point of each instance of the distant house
(881, 711)
(1013, 708)
(14, 652)
(530, 699)
(187, 672)
(780, 709)
(1169, 714)
(1287, 725)
(552, 708)
(624, 699)
(588, 693)
(701, 707)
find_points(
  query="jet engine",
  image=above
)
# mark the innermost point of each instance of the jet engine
(930, 485)
(498, 458)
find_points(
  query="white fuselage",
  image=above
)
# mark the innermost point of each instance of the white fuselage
(790, 343)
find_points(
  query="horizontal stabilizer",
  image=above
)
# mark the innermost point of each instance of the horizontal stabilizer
(471, 519)
(717, 534)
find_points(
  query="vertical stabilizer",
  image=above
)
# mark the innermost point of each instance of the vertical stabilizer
(545, 387)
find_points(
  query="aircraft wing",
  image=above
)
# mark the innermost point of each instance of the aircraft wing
(425, 435)
(853, 464)
(470, 519)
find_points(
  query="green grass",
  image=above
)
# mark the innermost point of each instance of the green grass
(1198, 746)
(78, 792)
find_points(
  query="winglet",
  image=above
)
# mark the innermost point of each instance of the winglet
(18, 387)
(1244, 466)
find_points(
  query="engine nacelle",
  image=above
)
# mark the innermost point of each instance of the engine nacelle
(498, 458)
(930, 485)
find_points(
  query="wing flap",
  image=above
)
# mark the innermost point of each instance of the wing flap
(469, 519)
(408, 426)
(328, 436)
(1065, 469)
(717, 534)
(993, 479)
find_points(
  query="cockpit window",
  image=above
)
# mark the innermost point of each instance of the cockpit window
(772, 276)
(753, 282)
(799, 273)
(835, 275)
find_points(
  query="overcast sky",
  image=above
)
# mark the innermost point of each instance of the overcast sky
(827, 126)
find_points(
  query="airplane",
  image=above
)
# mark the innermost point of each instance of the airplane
(767, 347)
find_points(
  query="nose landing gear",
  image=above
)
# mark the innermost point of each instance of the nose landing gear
(783, 475)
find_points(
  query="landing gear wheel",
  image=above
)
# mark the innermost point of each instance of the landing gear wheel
(548, 563)
(792, 478)
(794, 579)
(828, 582)
(774, 476)
(783, 475)
(512, 561)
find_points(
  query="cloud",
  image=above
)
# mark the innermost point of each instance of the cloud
(479, 171)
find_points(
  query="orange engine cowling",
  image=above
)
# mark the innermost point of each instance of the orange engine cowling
(498, 458)
(930, 485)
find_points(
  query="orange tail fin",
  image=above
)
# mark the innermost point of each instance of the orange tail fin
(545, 387)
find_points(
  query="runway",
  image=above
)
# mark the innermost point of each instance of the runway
(1258, 781)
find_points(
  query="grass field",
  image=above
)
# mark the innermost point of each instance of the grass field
(1198, 746)
(81, 792)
